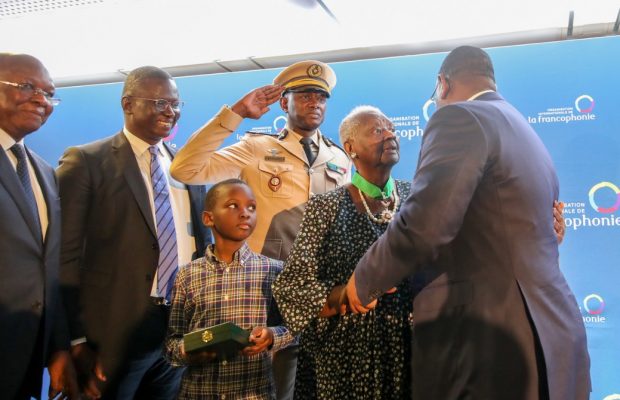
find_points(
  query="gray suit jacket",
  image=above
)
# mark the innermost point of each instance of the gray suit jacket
(477, 232)
(29, 295)
(110, 251)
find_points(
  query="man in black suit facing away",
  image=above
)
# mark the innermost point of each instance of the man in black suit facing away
(127, 225)
(33, 332)
(496, 319)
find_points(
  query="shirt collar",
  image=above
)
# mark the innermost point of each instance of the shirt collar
(239, 258)
(474, 97)
(298, 137)
(138, 145)
(6, 141)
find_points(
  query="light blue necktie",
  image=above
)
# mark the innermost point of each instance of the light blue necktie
(24, 177)
(166, 235)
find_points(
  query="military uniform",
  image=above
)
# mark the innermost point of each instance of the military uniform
(277, 169)
(274, 166)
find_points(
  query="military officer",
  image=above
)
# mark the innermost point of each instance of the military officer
(283, 170)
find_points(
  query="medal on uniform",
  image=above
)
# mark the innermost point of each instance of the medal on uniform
(274, 183)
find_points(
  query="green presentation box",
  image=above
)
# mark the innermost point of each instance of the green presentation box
(225, 339)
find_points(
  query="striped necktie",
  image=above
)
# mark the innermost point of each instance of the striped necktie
(24, 177)
(166, 235)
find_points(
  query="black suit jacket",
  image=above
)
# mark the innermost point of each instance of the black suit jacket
(477, 223)
(109, 250)
(29, 295)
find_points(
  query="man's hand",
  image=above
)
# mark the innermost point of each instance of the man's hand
(335, 303)
(262, 338)
(559, 225)
(197, 358)
(63, 379)
(89, 370)
(354, 303)
(256, 103)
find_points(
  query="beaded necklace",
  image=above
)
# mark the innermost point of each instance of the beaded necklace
(386, 215)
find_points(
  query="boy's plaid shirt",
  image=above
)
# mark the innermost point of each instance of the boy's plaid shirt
(208, 292)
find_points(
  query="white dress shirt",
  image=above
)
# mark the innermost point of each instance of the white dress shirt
(179, 198)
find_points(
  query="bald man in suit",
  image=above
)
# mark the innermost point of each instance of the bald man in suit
(127, 225)
(496, 318)
(34, 332)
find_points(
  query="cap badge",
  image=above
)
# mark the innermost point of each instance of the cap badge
(315, 70)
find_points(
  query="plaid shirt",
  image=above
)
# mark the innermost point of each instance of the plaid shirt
(208, 292)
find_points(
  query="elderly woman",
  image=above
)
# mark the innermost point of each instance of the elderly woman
(351, 356)
(337, 229)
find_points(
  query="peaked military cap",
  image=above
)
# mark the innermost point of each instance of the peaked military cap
(307, 74)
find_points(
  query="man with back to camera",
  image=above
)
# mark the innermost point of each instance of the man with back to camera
(496, 318)
(126, 227)
(34, 332)
(282, 170)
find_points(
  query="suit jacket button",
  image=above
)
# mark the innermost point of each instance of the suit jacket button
(36, 305)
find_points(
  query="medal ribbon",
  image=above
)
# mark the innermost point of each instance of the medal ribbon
(372, 190)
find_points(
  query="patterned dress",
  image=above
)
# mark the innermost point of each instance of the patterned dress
(352, 356)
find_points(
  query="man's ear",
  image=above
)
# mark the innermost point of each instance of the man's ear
(284, 103)
(445, 87)
(207, 218)
(127, 105)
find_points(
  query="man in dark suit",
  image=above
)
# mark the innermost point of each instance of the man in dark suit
(126, 227)
(33, 332)
(495, 318)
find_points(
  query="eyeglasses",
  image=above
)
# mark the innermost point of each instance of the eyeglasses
(434, 97)
(162, 104)
(28, 90)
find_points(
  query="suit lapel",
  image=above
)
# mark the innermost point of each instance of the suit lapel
(11, 182)
(126, 161)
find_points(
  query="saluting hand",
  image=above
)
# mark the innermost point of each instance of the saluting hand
(256, 103)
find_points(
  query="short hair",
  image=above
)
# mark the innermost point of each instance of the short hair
(351, 123)
(468, 60)
(214, 191)
(139, 74)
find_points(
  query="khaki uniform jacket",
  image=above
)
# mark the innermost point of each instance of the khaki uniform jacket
(276, 169)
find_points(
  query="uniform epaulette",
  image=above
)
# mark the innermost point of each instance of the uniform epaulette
(330, 142)
(262, 133)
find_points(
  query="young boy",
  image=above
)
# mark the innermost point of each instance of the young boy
(229, 284)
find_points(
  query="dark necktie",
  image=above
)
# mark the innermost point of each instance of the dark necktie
(166, 235)
(24, 178)
(307, 143)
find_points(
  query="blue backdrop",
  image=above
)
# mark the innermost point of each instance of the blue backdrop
(567, 90)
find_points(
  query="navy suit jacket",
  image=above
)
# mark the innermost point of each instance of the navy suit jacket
(110, 252)
(29, 293)
(477, 232)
